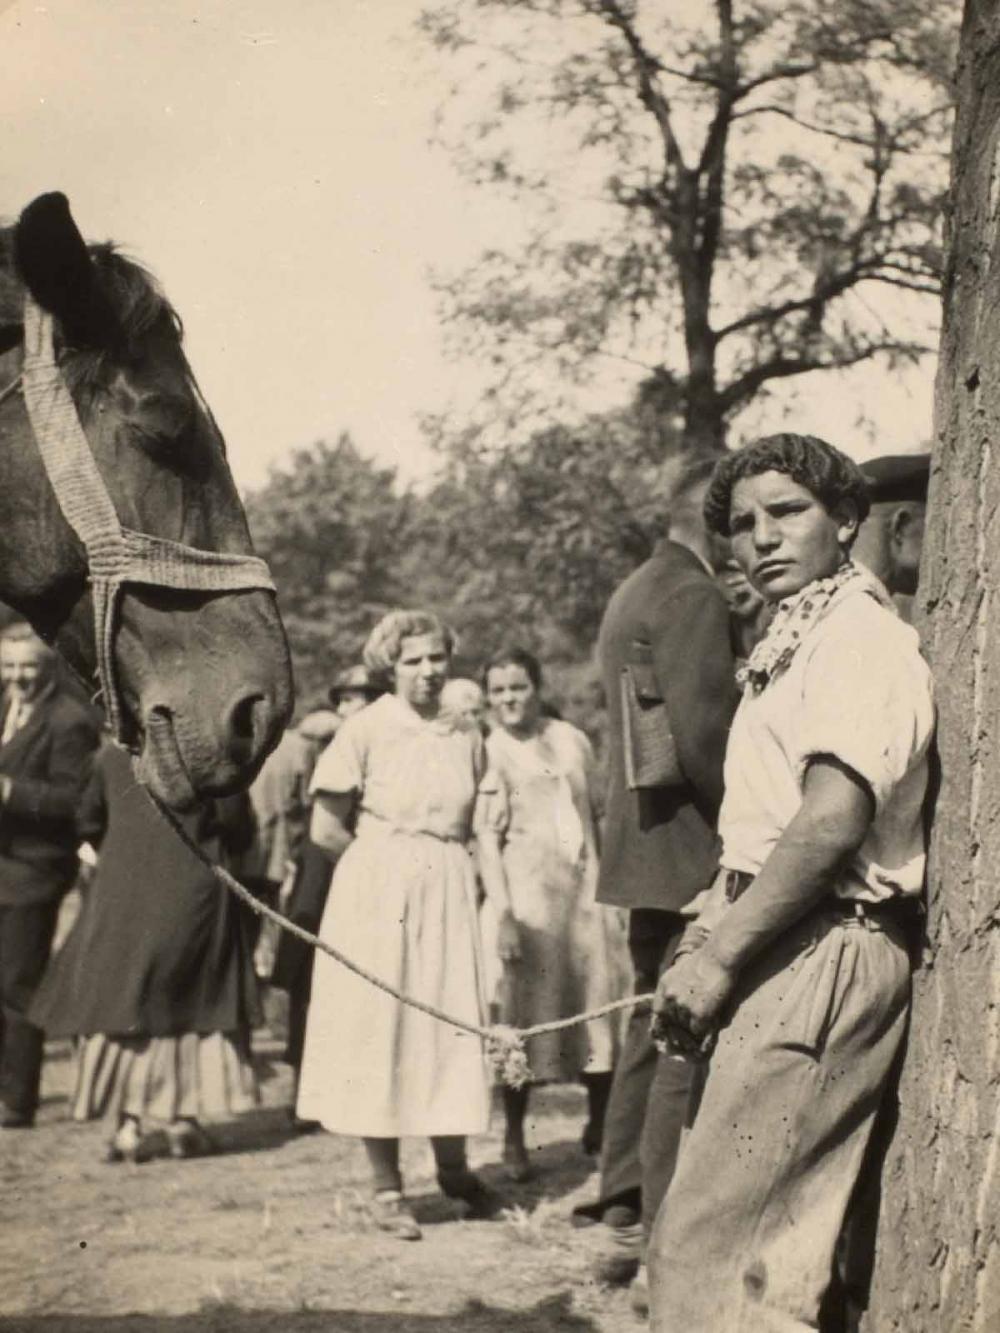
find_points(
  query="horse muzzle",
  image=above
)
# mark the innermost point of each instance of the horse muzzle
(180, 764)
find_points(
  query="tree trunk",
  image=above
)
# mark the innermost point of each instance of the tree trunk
(703, 433)
(704, 429)
(938, 1266)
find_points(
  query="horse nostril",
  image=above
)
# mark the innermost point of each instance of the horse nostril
(243, 714)
(245, 724)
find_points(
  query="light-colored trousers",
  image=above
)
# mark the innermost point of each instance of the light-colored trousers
(744, 1240)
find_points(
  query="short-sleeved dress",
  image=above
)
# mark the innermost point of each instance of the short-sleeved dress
(402, 904)
(539, 796)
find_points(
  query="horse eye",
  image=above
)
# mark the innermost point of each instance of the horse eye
(160, 420)
(163, 430)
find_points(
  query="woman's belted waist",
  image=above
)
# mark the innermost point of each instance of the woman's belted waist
(372, 822)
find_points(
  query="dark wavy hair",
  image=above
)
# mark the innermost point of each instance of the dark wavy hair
(831, 476)
(515, 656)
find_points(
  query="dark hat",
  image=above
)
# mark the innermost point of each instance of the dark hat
(355, 678)
(897, 477)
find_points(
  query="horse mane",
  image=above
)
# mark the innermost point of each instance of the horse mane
(138, 302)
(135, 294)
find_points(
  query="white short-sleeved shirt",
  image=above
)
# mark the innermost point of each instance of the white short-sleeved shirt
(859, 691)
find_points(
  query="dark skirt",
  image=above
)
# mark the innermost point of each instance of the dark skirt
(159, 948)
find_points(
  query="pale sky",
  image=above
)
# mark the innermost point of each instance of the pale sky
(269, 163)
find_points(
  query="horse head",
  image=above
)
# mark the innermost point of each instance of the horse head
(193, 665)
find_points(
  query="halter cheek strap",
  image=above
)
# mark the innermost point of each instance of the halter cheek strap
(116, 556)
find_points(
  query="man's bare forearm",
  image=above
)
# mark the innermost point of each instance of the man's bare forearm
(834, 817)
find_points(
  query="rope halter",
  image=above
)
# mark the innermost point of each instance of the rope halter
(116, 556)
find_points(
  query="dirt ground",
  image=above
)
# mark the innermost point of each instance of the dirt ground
(272, 1234)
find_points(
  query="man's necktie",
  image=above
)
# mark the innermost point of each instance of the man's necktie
(13, 719)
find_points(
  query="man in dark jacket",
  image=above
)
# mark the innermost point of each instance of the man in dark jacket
(891, 538)
(665, 631)
(46, 742)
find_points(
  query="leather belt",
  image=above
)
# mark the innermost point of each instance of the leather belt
(901, 910)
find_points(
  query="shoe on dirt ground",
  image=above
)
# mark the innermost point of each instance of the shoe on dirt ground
(186, 1138)
(391, 1213)
(619, 1251)
(638, 1294)
(127, 1144)
(481, 1201)
(11, 1118)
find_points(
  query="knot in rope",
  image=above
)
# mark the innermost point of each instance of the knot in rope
(507, 1055)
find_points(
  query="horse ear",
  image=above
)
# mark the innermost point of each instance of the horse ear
(57, 269)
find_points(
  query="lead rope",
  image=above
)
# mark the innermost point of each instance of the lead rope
(505, 1045)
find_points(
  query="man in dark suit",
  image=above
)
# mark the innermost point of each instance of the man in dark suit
(46, 742)
(659, 845)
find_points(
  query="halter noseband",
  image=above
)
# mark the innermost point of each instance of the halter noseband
(115, 555)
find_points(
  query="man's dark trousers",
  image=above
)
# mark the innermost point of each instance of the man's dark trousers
(25, 942)
(649, 1096)
(660, 848)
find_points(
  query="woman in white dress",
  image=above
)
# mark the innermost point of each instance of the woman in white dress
(395, 795)
(540, 799)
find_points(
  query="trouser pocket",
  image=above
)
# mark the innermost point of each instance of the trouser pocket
(797, 1002)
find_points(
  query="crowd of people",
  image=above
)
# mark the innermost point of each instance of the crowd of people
(750, 848)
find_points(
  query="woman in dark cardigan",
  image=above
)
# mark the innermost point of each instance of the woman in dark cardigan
(156, 977)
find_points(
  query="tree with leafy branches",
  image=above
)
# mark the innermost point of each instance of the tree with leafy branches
(530, 542)
(331, 525)
(526, 545)
(722, 193)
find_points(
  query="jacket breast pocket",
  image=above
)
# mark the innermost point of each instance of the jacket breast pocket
(650, 750)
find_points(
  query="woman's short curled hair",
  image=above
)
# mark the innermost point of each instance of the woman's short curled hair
(385, 642)
(515, 656)
(830, 475)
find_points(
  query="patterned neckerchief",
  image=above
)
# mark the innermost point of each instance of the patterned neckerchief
(794, 618)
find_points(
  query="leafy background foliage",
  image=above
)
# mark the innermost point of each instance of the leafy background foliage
(524, 546)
